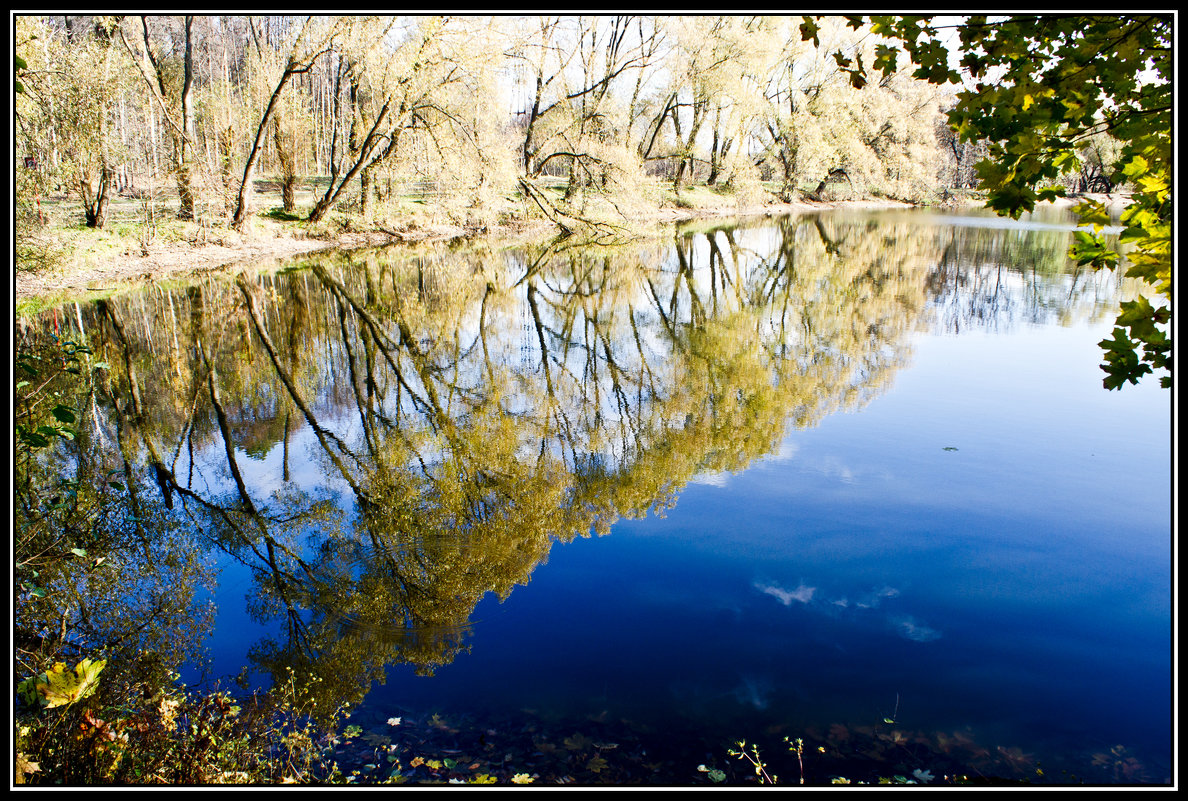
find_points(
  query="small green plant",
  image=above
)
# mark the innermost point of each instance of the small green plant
(797, 747)
(42, 417)
(750, 755)
(49, 381)
(741, 753)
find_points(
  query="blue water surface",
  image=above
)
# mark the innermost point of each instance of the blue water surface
(986, 546)
(981, 551)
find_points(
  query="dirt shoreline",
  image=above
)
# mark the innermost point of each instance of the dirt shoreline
(181, 259)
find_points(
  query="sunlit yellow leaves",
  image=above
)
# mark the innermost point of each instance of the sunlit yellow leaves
(1137, 166)
(1155, 185)
(63, 686)
(1093, 213)
(1143, 222)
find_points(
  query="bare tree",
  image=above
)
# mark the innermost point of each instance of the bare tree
(173, 99)
(309, 45)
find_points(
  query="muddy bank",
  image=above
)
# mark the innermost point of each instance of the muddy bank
(224, 250)
(179, 259)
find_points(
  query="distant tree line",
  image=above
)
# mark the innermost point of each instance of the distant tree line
(355, 110)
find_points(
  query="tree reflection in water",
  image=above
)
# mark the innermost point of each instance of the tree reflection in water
(470, 408)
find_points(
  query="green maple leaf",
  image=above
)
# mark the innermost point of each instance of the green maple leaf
(63, 686)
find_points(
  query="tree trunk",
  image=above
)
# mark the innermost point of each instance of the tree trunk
(366, 190)
(572, 188)
(243, 200)
(185, 192)
(185, 195)
(526, 148)
(680, 174)
(95, 200)
(288, 168)
(715, 161)
(226, 143)
(788, 164)
(327, 201)
(718, 158)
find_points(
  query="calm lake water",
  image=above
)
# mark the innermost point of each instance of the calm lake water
(850, 477)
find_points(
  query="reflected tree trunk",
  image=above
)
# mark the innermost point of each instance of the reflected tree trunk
(324, 436)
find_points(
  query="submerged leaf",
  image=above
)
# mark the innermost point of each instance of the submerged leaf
(578, 742)
(62, 686)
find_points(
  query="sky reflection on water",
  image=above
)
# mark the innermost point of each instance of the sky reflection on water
(849, 468)
(987, 541)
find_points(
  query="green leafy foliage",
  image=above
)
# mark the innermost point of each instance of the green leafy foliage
(20, 67)
(1038, 89)
(35, 428)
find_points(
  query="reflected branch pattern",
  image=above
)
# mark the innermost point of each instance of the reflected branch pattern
(385, 438)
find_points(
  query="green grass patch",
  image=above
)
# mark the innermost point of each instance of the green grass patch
(279, 214)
